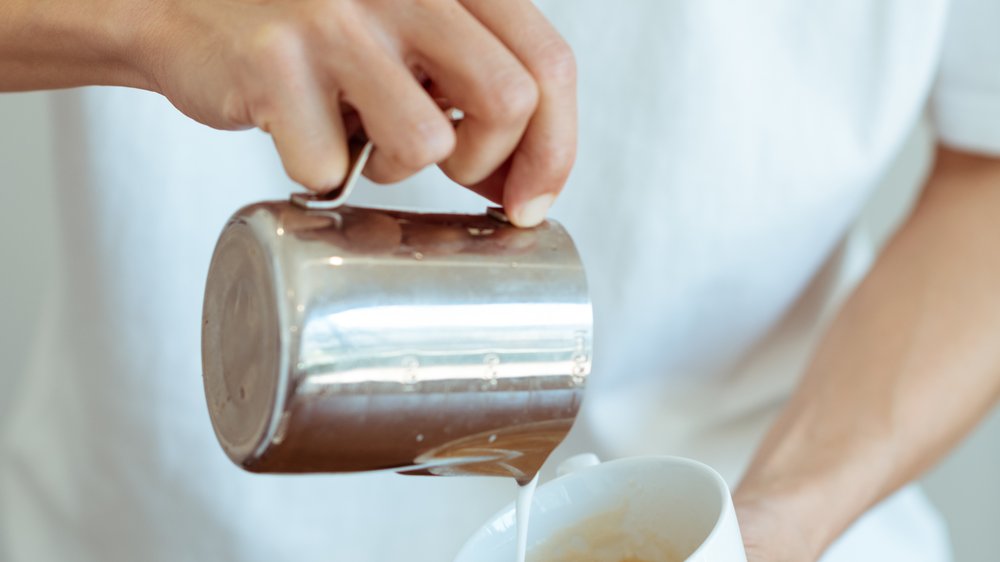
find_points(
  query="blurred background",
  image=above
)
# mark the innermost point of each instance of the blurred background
(966, 486)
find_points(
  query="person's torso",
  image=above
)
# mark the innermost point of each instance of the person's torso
(724, 151)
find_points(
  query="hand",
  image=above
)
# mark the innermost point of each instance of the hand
(293, 67)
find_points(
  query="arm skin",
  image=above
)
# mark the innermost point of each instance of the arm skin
(48, 44)
(908, 368)
(293, 68)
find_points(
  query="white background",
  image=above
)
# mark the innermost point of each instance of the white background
(966, 486)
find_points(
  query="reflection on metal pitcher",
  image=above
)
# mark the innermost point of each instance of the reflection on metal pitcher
(362, 339)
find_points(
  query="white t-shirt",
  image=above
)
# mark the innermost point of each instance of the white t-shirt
(725, 151)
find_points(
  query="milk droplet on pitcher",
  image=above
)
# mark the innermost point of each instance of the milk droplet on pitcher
(492, 361)
(410, 378)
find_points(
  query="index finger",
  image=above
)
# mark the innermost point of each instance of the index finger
(542, 162)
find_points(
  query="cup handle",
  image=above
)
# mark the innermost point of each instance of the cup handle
(577, 462)
(360, 149)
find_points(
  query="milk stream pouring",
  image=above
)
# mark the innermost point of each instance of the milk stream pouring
(340, 339)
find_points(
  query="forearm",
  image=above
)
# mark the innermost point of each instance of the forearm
(57, 43)
(909, 366)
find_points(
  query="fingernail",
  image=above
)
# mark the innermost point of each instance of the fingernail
(533, 212)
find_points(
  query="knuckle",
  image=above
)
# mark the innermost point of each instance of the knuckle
(284, 41)
(276, 49)
(276, 42)
(426, 143)
(555, 64)
(340, 25)
(512, 98)
(237, 110)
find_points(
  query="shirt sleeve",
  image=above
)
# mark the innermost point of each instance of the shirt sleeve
(965, 103)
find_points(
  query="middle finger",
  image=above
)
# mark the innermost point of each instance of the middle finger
(480, 76)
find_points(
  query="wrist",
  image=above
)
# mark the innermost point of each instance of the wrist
(58, 45)
(772, 531)
(122, 42)
(799, 519)
(810, 496)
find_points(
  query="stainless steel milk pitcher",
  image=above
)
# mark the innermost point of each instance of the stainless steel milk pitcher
(347, 339)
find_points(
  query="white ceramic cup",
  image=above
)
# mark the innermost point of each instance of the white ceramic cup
(653, 508)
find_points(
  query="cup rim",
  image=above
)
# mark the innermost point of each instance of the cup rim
(719, 483)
